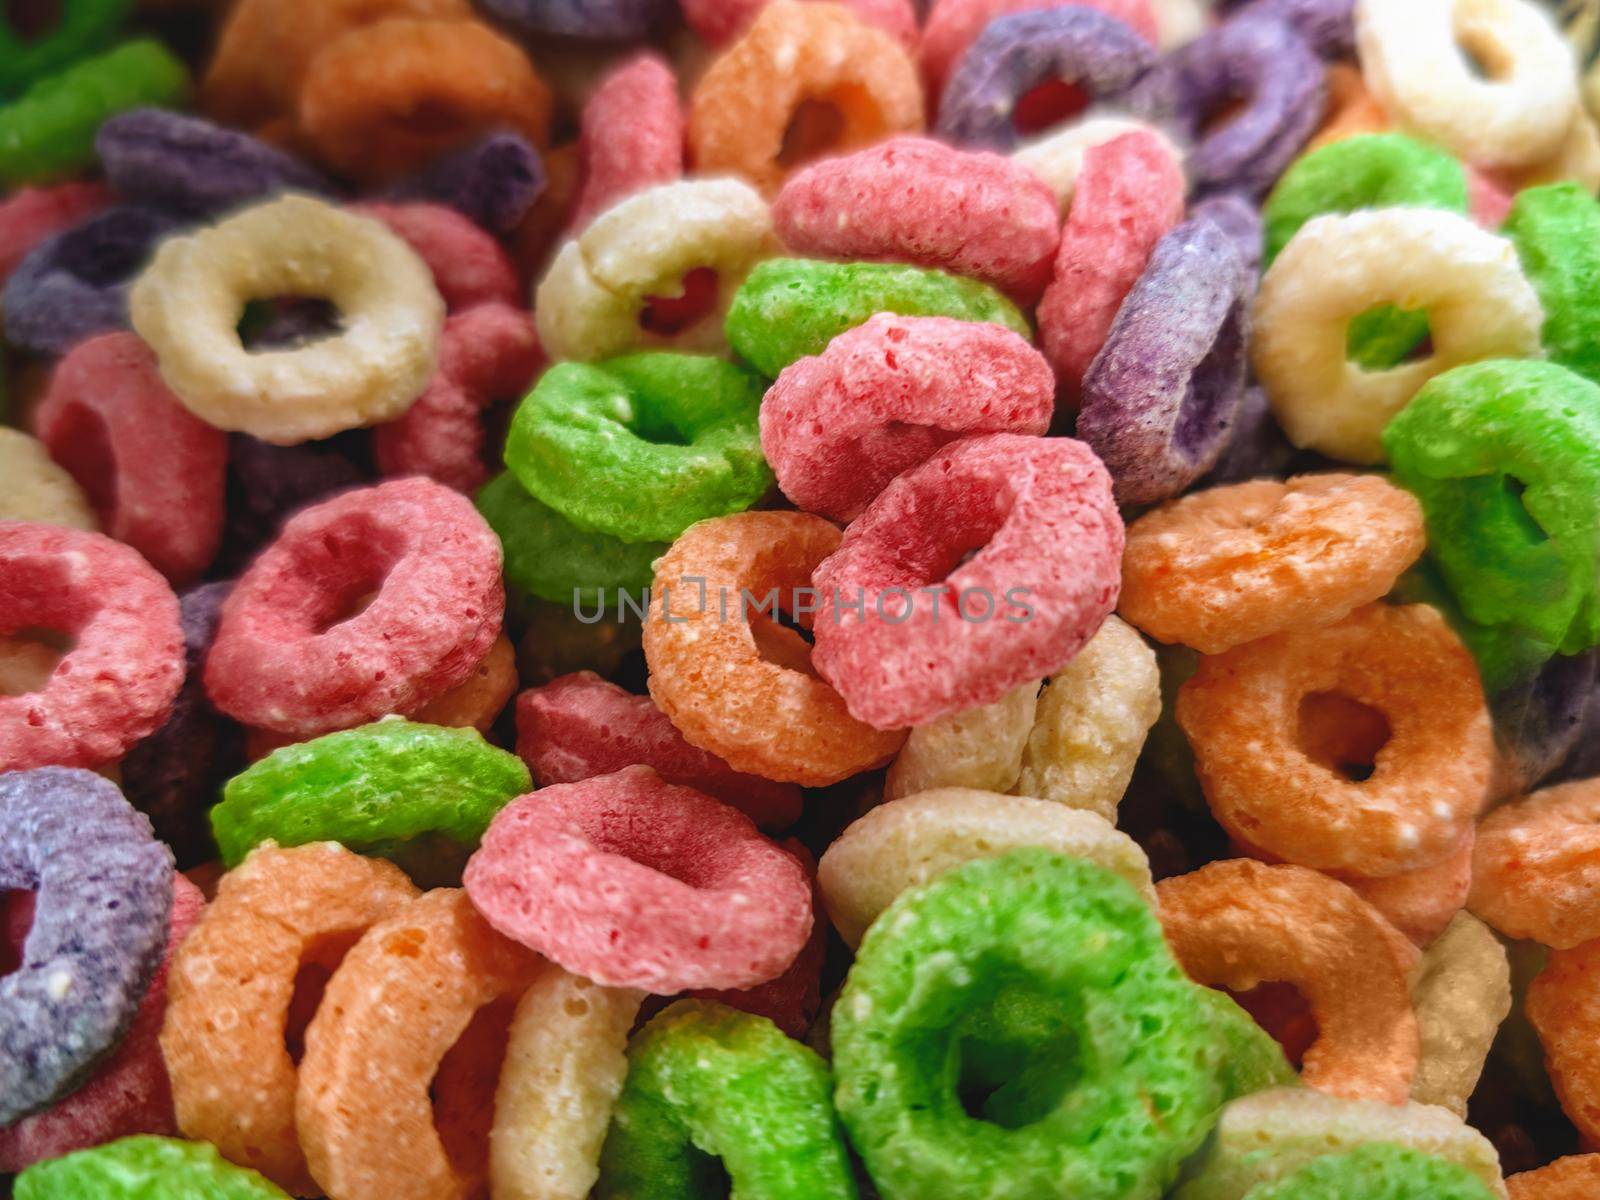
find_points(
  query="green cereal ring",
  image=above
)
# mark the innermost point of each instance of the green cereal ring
(1505, 458)
(1251, 1060)
(48, 132)
(1556, 230)
(641, 447)
(791, 307)
(1379, 170)
(374, 788)
(549, 557)
(82, 27)
(1376, 1171)
(1017, 1029)
(1505, 656)
(706, 1082)
(144, 1168)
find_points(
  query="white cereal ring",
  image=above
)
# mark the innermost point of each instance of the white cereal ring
(1577, 159)
(36, 488)
(1461, 995)
(980, 748)
(907, 843)
(1179, 22)
(1479, 306)
(188, 301)
(1058, 157)
(1414, 54)
(590, 303)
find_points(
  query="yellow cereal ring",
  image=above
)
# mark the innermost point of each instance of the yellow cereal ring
(1577, 159)
(1337, 267)
(1461, 995)
(1057, 158)
(980, 748)
(187, 304)
(38, 490)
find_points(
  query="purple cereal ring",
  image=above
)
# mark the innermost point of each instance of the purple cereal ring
(1259, 60)
(1328, 25)
(493, 182)
(75, 285)
(599, 20)
(1584, 760)
(103, 889)
(1016, 53)
(1162, 395)
(1257, 447)
(1539, 723)
(168, 160)
(1237, 217)
(268, 484)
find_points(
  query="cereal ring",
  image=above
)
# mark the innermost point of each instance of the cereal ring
(1239, 923)
(703, 1075)
(493, 181)
(1016, 53)
(361, 93)
(1533, 874)
(1394, 1171)
(187, 302)
(1237, 217)
(908, 843)
(289, 656)
(564, 1068)
(1572, 1178)
(477, 703)
(268, 484)
(1539, 724)
(116, 685)
(610, 20)
(1461, 995)
(605, 293)
(1514, 114)
(1430, 775)
(1127, 197)
(793, 307)
(37, 490)
(416, 982)
(1328, 26)
(1058, 157)
(641, 447)
(103, 893)
(1351, 108)
(915, 200)
(468, 266)
(1256, 447)
(579, 726)
(1419, 903)
(83, 26)
(486, 353)
(154, 470)
(135, 1167)
(884, 396)
(1563, 1003)
(1555, 230)
(1073, 971)
(631, 137)
(609, 877)
(1505, 458)
(979, 748)
(855, 79)
(48, 132)
(717, 22)
(740, 685)
(1226, 566)
(1162, 394)
(1051, 538)
(1478, 302)
(231, 1003)
(30, 215)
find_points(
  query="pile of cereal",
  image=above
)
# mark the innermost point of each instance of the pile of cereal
(800, 600)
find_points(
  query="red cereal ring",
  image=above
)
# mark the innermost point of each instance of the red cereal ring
(1238, 924)
(29, 216)
(884, 396)
(630, 136)
(1563, 1003)
(487, 353)
(469, 267)
(1270, 786)
(916, 200)
(117, 683)
(154, 471)
(719, 21)
(579, 726)
(290, 656)
(1536, 873)
(910, 632)
(634, 882)
(1129, 195)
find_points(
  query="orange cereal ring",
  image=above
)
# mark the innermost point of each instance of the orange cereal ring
(1271, 785)
(386, 99)
(806, 79)
(1536, 872)
(481, 697)
(429, 978)
(1238, 924)
(1421, 903)
(1352, 108)
(728, 675)
(1563, 1003)
(1576, 1177)
(1226, 566)
(279, 916)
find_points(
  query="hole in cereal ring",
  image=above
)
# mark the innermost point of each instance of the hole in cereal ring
(1211, 397)
(349, 604)
(783, 644)
(1384, 337)
(1484, 56)
(1511, 496)
(1342, 733)
(29, 657)
(1048, 105)
(816, 127)
(317, 965)
(33, 19)
(287, 322)
(1221, 115)
(668, 316)
(433, 117)
(463, 1087)
(1284, 1012)
(16, 919)
(1018, 1057)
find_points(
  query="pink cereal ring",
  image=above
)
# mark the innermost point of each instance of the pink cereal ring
(154, 471)
(884, 396)
(1487, 201)
(489, 352)
(117, 683)
(635, 882)
(630, 137)
(468, 265)
(289, 655)
(33, 214)
(717, 22)
(580, 726)
(909, 632)
(916, 200)
(1129, 195)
